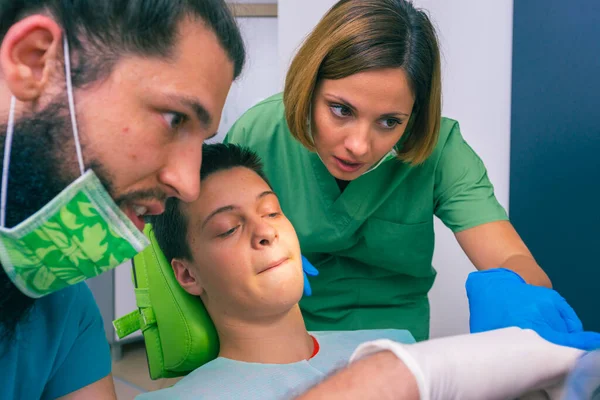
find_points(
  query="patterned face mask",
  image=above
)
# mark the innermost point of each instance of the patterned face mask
(79, 234)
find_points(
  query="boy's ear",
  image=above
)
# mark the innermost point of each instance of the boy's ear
(186, 276)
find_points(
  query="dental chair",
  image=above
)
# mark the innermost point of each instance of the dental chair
(177, 330)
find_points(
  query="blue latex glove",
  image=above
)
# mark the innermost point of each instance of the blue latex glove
(499, 298)
(583, 382)
(308, 269)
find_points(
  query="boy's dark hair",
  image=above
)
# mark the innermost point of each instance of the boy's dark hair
(100, 32)
(170, 228)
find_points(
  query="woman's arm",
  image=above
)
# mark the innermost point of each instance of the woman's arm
(498, 245)
(510, 289)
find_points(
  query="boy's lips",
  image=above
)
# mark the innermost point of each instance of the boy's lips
(275, 264)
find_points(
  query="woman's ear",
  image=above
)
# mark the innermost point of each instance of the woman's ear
(29, 55)
(186, 276)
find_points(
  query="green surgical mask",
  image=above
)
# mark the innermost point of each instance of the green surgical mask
(79, 234)
(391, 155)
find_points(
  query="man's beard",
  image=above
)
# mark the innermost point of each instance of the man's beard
(43, 162)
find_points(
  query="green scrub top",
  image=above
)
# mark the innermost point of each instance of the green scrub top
(372, 243)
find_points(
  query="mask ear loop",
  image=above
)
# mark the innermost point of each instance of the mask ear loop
(7, 145)
(72, 103)
(392, 154)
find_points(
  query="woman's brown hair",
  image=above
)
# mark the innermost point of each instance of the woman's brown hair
(361, 35)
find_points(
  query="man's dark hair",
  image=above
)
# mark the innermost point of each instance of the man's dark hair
(102, 31)
(170, 228)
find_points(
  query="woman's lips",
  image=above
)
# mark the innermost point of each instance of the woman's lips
(347, 165)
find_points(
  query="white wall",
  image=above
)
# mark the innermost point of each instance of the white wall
(260, 77)
(296, 19)
(476, 41)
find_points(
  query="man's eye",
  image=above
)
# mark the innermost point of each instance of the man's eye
(174, 119)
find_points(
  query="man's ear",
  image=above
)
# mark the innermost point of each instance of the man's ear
(186, 276)
(30, 54)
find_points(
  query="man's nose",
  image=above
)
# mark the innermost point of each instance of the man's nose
(182, 172)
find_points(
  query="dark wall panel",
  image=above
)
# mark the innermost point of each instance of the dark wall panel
(555, 144)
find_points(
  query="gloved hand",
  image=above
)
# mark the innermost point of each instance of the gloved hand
(500, 298)
(500, 364)
(308, 269)
(584, 381)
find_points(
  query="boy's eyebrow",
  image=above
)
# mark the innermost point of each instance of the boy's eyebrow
(232, 207)
(265, 193)
(218, 211)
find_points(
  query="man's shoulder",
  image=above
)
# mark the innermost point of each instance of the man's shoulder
(67, 305)
(45, 339)
(66, 320)
(57, 317)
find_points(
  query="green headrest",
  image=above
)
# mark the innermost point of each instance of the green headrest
(179, 334)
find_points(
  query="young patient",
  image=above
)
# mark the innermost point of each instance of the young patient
(236, 251)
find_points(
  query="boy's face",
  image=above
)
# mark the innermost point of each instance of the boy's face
(246, 255)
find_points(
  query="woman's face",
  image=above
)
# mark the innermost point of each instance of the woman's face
(358, 119)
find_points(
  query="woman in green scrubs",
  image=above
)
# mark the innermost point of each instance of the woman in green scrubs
(362, 160)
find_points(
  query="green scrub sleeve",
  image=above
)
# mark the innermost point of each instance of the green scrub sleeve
(463, 194)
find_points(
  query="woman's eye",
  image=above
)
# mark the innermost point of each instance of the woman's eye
(340, 110)
(390, 123)
(228, 233)
(174, 119)
(274, 215)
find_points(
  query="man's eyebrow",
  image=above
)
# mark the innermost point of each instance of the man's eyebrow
(231, 207)
(194, 104)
